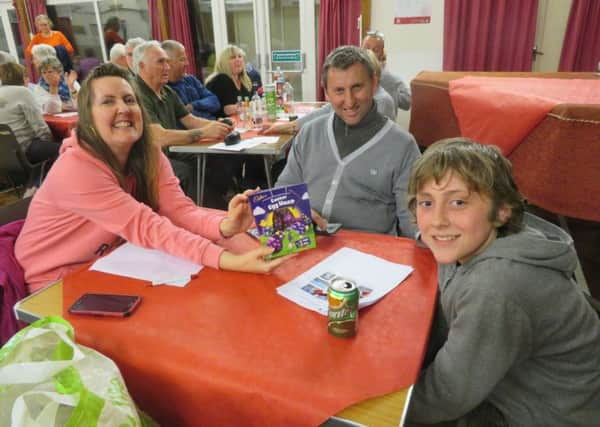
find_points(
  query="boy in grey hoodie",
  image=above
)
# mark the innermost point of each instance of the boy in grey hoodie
(517, 343)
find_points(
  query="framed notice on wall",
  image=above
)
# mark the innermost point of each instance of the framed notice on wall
(413, 12)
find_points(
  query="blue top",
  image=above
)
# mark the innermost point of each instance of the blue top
(192, 91)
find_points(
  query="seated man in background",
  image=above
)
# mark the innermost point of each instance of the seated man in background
(118, 55)
(392, 83)
(167, 112)
(355, 161)
(198, 100)
(129, 48)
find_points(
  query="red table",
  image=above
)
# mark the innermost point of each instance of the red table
(61, 127)
(228, 350)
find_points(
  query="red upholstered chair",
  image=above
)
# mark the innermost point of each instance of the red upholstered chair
(12, 282)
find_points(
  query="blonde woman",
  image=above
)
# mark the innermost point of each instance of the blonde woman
(46, 35)
(230, 80)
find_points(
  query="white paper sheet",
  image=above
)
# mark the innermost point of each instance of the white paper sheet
(374, 276)
(153, 265)
(245, 144)
(68, 114)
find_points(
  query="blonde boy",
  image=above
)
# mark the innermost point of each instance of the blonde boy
(517, 343)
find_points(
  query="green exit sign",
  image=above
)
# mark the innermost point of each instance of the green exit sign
(286, 56)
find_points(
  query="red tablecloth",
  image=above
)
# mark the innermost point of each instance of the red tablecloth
(61, 127)
(228, 350)
(504, 110)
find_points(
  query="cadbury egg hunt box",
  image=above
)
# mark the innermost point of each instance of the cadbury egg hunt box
(283, 219)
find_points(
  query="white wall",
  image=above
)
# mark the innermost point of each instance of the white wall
(410, 48)
(417, 47)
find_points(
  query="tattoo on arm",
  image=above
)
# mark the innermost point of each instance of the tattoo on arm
(194, 135)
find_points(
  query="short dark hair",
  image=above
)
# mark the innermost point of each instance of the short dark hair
(344, 57)
(143, 160)
(12, 74)
(484, 170)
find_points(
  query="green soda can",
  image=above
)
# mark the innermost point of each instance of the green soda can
(342, 296)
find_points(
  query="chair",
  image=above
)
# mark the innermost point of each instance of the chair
(14, 211)
(12, 282)
(14, 164)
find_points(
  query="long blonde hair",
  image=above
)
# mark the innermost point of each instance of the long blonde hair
(222, 66)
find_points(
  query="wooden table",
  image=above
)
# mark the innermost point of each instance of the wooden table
(60, 125)
(185, 356)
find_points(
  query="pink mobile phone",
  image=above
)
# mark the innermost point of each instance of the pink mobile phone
(106, 304)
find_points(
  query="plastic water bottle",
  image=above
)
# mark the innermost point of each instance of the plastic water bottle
(280, 83)
(288, 97)
(240, 109)
(257, 112)
(271, 101)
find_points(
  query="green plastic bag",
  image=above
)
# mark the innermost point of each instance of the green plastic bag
(48, 380)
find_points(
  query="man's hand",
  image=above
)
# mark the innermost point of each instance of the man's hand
(189, 107)
(239, 215)
(318, 220)
(279, 128)
(252, 261)
(216, 130)
(230, 109)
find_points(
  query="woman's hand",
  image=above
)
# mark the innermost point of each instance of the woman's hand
(239, 215)
(71, 78)
(252, 261)
(53, 80)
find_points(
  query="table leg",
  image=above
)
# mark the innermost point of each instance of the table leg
(268, 171)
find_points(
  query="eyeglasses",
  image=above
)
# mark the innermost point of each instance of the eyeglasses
(375, 33)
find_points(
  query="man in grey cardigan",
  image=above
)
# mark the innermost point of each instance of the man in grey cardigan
(355, 161)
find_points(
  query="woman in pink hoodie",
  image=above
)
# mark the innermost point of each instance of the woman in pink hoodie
(112, 183)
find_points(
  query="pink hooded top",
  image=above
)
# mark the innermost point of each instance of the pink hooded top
(80, 211)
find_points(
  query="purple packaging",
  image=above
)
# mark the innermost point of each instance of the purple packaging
(283, 219)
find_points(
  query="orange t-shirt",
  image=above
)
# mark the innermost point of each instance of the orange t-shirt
(55, 39)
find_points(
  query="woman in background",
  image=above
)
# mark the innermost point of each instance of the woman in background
(21, 113)
(111, 183)
(55, 92)
(111, 33)
(230, 80)
(46, 35)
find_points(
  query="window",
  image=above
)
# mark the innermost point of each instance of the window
(78, 21)
(202, 32)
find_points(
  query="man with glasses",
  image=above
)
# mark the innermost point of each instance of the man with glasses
(393, 84)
